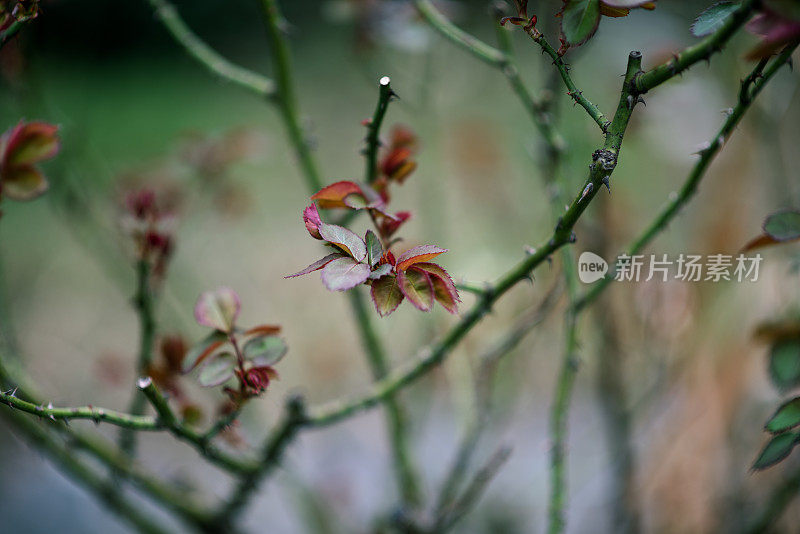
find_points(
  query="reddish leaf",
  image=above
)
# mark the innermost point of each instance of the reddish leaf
(317, 265)
(386, 295)
(218, 309)
(23, 183)
(30, 143)
(417, 255)
(344, 273)
(312, 221)
(263, 330)
(444, 290)
(200, 352)
(333, 195)
(388, 226)
(344, 239)
(417, 288)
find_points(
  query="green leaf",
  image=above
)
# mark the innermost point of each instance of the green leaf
(344, 273)
(579, 20)
(784, 363)
(787, 416)
(218, 370)
(713, 18)
(386, 295)
(344, 239)
(783, 226)
(374, 248)
(265, 350)
(417, 288)
(776, 450)
(199, 352)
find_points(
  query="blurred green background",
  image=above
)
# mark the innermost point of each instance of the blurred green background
(132, 105)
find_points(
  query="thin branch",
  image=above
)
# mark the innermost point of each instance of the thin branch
(470, 43)
(473, 492)
(286, 96)
(207, 56)
(10, 32)
(279, 438)
(135, 422)
(750, 89)
(79, 471)
(701, 51)
(143, 301)
(200, 442)
(374, 128)
(407, 478)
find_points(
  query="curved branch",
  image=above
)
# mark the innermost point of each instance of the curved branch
(702, 50)
(207, 56)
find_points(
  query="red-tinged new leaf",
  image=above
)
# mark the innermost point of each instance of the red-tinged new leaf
(418, 254)
(417, 288)
(201, 351)
(317, 265)
(218, 309)
(333, 196)
(263, 330)
(444, 290)
(386, 295)
(30, 143)
(344, 273)
(24, 183)
(345, 240)
(312, 221)
(630, 4)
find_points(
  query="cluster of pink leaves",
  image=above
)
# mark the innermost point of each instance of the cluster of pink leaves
(229, 352)
(368, 261)
(21, 148)
(778, 24)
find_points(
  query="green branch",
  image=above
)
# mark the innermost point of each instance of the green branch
(470, 43)
(143, 301)
(407, 479)
(207, 56)
(374, 129)
(278, 440)
(200, 442)
(66, 461)
(286, 97)
(750, 89)
(701, 51)
(135, 422)
(10, 32)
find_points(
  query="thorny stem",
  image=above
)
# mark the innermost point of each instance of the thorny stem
(201, 442)
(143, 301)
(750, 89)
(10, 32)
(702, 50)
(79, 471)
(286, 97)
(374, 129)
(207, 56)
(407, 479)
(278, 440)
